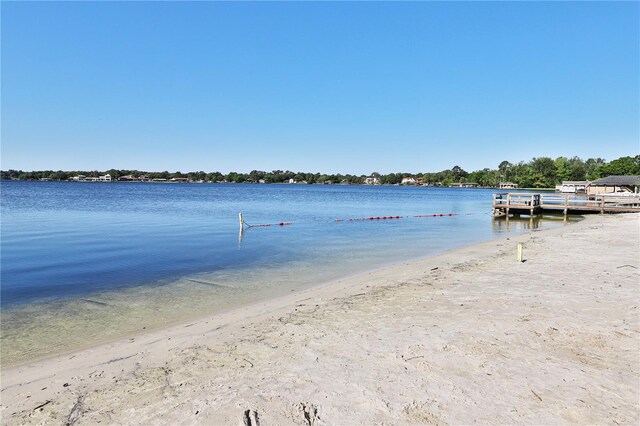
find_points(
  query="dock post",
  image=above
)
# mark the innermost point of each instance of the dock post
(532, 205)
(566, 204)
(241, 220)
(508, 203)
(495, 211)
(602, 205)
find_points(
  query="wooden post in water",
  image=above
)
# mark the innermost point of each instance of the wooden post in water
(494, 206)
(241, 220)
(566, 204)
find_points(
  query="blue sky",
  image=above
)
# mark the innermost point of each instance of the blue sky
(331, 87)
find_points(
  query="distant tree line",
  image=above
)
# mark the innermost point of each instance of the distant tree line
(543, 172)
(540, 172)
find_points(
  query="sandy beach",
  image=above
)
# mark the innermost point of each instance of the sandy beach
(469, 336)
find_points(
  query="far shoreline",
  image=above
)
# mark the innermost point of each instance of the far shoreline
(295, 184)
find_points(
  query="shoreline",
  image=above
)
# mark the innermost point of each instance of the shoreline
(109, 371)
(124, 336)
(286, 183)
(128, 332)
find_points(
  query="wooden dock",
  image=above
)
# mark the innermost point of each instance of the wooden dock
(532, 204)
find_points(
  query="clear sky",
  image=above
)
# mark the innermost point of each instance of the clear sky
(320, 87)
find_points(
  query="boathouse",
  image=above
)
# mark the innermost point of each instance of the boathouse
(508, 185)
(614, 184)
(572, 186)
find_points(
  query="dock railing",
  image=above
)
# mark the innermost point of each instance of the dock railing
(601, 202)
(509, 199)
(568, 200)
(504, 203)
(614, 200)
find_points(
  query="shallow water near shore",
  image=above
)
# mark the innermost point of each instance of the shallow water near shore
(84, 263)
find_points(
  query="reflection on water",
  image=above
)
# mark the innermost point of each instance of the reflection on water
(526, 223)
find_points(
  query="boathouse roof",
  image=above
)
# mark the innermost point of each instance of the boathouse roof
(617, 181)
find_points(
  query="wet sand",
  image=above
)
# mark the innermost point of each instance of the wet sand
(467, 336)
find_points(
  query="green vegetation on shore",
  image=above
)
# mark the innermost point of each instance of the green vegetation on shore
(540, 172)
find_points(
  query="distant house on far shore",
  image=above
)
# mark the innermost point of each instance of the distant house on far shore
(614, 184)
(409, 181)
(464, 185)
(572, 187)
(82, 178)
(508, 185)
(372, 180)
(131, 178)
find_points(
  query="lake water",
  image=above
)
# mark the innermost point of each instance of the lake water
(87, 262)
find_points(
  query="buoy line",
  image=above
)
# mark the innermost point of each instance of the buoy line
(372, 218)
(243, 223)
(396, 217)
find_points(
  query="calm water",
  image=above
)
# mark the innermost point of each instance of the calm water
(78, 258)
